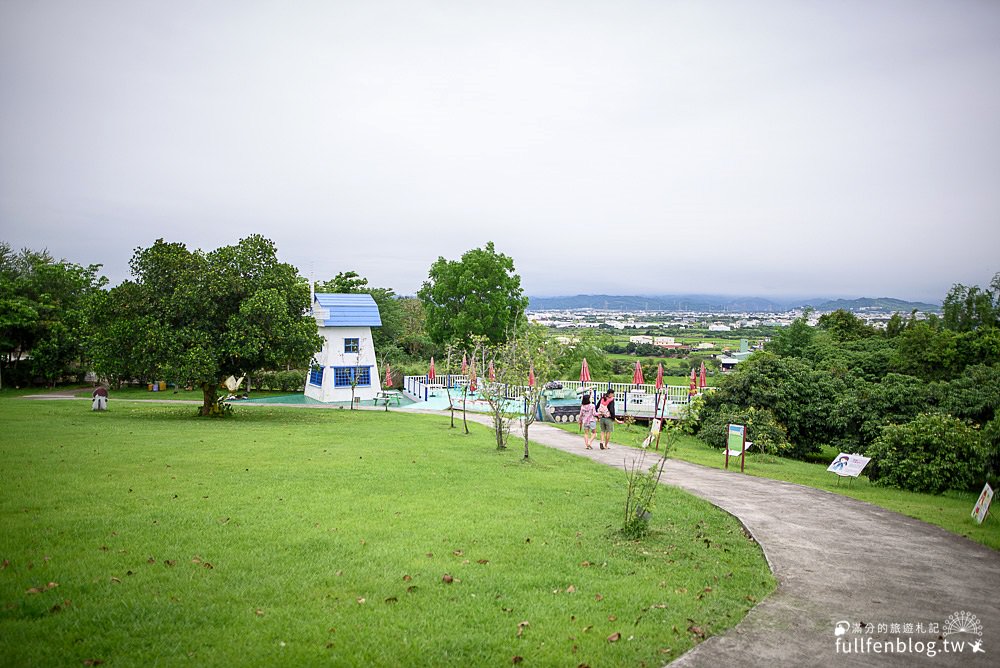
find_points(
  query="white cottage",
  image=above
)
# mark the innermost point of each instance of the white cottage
(345, 323)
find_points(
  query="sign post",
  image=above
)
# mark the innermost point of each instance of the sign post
(982, 508)
(736, 444)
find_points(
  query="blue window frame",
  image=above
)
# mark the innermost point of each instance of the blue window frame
(343, 375)
(316, 376)
(351, 345)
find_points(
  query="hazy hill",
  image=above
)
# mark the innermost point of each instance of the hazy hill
(718, 303)
(870, 304)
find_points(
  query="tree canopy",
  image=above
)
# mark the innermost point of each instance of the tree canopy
(44, 308)
(478, 295)
(195, 318)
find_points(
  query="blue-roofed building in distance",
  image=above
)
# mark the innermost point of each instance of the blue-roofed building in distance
(345, 322)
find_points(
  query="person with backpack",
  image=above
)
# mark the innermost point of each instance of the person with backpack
(606, 413)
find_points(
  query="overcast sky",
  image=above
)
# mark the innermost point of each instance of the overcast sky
(809, 148)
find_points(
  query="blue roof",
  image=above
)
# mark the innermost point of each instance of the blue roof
(354, 310)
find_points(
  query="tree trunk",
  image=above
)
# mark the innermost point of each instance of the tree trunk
(208, 406)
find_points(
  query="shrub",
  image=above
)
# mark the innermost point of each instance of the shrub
(931, 453)
(766, 433)
(281, 381)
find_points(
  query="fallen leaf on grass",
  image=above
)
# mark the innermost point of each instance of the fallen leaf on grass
(612, 618)
(598, 597)
(483, 561)
(411, 589)
(587, 628)
(170, 562)
(570, 589)
(458, 553)
(208, 564)
(517, 659)
(447, 579)
(151, 560)
(392, 599)
(406, 578)
(259, 612)
(34, 590)
(5, 564)
(92, 662)
(116, 580)
(361, 601)
(614, 637)
(520, 628)
(696, 630)
(55, 608)
(585, 564)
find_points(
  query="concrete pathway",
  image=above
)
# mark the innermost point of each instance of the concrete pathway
(836, 558)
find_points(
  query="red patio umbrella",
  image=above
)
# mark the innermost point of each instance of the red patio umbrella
(388, 376)
(659, 376)
(694, 384)
(492, 372)
(704, 380)
(531, 376)
(584, 372)
(472, 376)
(637, 378)
(430, 372)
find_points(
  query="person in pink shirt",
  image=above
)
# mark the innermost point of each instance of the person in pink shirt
(588, 420)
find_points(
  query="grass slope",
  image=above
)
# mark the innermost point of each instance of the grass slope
(143, 536)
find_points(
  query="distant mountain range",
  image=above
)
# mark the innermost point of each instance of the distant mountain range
(720, 303)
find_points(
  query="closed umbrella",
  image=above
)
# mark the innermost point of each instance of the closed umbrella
(465, 364)
(531, 376)
(388, 376)
(659, 376)
(584, 372)
(472, 377)
(430, 372)
(637, 378)
(704, 379)
(492, 372)
(693, 389)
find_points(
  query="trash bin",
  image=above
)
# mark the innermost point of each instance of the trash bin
(163, 386)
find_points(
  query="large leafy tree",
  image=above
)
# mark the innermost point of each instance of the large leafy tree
(44, 306)
(197, 317)
(478, 295)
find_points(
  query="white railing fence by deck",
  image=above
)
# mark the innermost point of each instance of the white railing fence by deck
(636, 400)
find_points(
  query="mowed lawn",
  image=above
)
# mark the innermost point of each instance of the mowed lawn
(144, 536)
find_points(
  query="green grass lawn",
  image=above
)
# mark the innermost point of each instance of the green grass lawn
(952, 510)
(143, 536)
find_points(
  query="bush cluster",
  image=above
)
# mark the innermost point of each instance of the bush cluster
(931, 453)
(280, 381)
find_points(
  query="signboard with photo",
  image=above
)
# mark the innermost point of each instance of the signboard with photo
(848, 465)
(983, 504)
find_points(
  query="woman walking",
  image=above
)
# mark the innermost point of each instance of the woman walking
(606, 412)
(588, 421)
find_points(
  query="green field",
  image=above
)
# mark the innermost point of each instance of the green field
(143, 536)
(951, 510)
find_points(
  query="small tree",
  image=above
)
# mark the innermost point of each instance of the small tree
(495, 394)
(642, 484)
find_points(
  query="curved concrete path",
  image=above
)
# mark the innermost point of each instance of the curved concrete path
(835, 558)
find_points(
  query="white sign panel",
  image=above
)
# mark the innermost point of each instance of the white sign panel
(983, 504)
(848, 465)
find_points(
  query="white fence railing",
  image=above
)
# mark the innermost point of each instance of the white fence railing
(635, 400)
